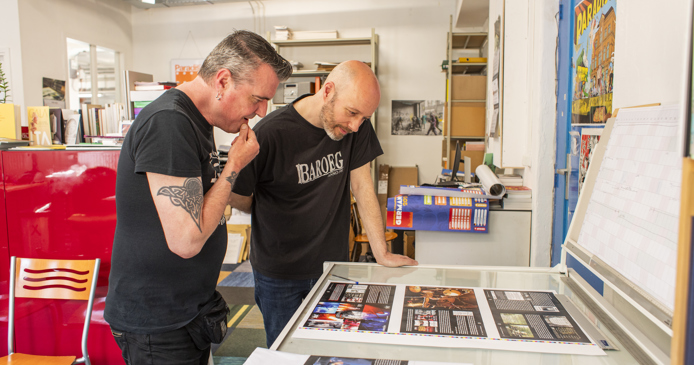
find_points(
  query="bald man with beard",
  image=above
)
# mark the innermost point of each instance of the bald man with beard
(312, 152)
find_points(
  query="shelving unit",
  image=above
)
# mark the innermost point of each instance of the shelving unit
(371, 42)
(471, 41)
(298, 75)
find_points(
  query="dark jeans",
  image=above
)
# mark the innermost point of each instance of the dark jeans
(277, 300)
(171, 348)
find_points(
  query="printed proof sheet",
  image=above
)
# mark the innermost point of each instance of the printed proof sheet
(633, 214)
(518, 320)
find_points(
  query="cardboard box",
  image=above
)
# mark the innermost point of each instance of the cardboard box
(467, 120)
(409, 244)
(477, 157)
(401, 176)
(468, 87)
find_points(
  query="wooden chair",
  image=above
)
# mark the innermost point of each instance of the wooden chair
(51, 279)
(360, 235)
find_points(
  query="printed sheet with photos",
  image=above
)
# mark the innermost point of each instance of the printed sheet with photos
(497, 319)
(261, 356)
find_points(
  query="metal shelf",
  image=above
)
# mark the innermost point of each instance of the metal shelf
(468, 40)
(468, 67)
(322, 42)
(309, 73)
(468, 137)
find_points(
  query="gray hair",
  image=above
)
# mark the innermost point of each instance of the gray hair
(242, 52)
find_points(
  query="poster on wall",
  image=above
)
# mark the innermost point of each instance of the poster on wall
(589, 141)
(496, 79)
(592, 65)
(416, 117)
(53, 93)
(186, 69)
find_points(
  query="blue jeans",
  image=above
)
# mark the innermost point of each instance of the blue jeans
(170, 348)
(277, 300)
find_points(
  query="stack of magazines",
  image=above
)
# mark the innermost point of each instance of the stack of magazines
(517, 198)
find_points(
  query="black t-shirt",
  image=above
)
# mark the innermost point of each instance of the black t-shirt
(151, 289)
(300, 186)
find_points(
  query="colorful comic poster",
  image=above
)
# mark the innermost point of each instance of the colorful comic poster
(589, 141)
(592, 65)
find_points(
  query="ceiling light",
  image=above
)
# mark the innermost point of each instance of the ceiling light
(149, 1)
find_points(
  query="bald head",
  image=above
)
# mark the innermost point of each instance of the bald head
(355, 77)
(348, 98)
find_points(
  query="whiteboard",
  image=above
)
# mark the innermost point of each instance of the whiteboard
(632, 217)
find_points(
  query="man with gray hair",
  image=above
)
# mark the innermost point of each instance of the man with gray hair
(171, 233)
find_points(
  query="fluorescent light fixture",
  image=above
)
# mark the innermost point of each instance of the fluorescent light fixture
(149, 1)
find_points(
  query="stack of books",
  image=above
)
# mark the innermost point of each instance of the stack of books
(518, 198)
(511, 179)
(155, 85)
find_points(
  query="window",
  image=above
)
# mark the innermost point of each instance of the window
(85, 60)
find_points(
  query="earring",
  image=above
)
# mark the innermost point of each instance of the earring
(219, 96)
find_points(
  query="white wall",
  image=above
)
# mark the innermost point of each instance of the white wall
(540, 144)
(412, 36)
(10, 41)
(649, 52)
(527, 140)
(45, 24)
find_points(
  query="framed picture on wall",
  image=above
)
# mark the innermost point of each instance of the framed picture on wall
(416, 117)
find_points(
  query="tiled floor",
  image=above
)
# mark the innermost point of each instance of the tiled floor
(245, 323)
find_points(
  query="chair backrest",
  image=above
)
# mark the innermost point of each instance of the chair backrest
(53, 279)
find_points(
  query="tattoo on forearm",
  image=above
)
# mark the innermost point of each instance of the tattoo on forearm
(189, 197)
(232, 178)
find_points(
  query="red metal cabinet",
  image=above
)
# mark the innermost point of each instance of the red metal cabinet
(58, 204)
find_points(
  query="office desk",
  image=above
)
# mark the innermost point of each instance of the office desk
(507, 243)
(467, 276)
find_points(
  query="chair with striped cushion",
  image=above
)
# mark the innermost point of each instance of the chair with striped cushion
(51, 279)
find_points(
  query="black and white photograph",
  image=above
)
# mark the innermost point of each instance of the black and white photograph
(417, 117)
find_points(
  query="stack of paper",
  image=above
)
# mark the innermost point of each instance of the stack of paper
(511, 180)
(518, 197)
(282, 33)
(325, 66)
(155, 85)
